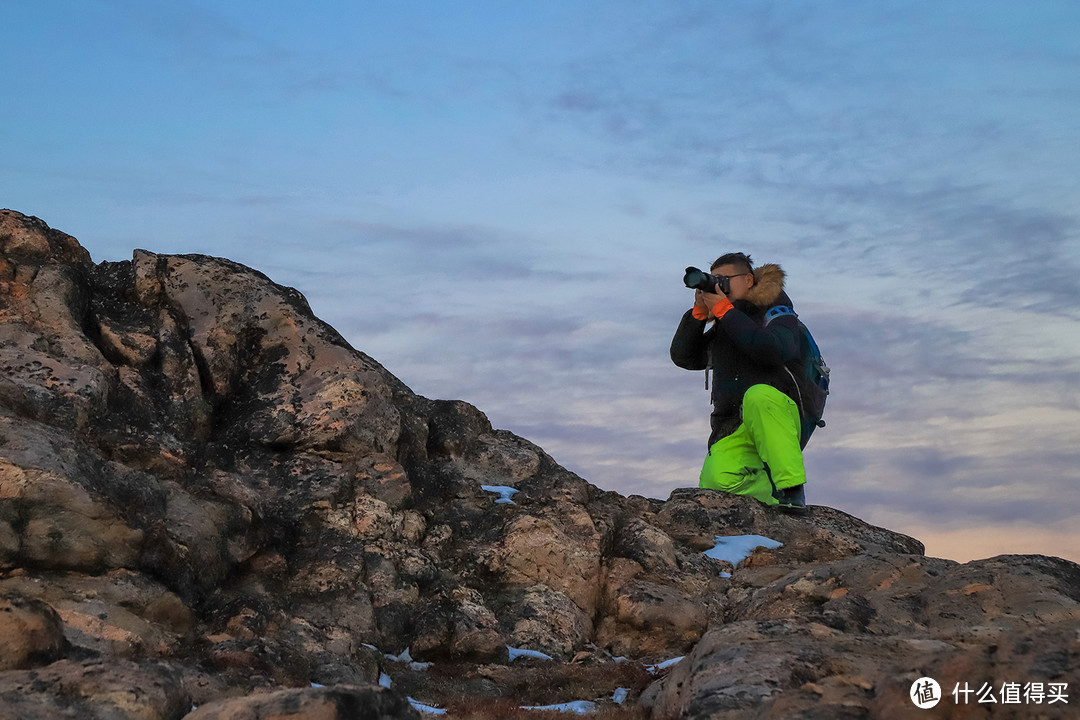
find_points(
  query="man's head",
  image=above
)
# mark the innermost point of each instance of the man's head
(739, 268)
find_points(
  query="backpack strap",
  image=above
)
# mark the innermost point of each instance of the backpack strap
(775, 312)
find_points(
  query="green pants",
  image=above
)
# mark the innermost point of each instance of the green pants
(769, 434)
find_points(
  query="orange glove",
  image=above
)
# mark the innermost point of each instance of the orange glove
(708, 306)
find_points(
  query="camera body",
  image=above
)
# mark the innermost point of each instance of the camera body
(700, 280)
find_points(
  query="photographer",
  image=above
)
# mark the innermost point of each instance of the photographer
(754, 448)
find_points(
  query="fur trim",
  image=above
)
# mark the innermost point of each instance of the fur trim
(768, 284)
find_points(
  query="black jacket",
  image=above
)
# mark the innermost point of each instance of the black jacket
(741, 349)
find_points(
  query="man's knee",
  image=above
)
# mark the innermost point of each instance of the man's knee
(751, 481)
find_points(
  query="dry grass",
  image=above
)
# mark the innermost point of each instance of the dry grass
(527, 683)
(499, 709)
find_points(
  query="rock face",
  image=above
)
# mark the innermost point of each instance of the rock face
(208, 498)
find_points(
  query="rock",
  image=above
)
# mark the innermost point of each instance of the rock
(384, 479)
(120, 614)
(102, 690)
(453, 428)
(783, 669)
(538, 550)
(337, 703)
(461, 627)
(9, 545)
(795, 645)
(29, 241)
(647, 545)
(42, 387)
(31, 633)
(61, 523)
(547, 621)
(645, 618)
(276, 375)
(499, 458)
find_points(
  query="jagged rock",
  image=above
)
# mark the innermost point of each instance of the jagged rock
(795, 668)
(194, 470)
(9, 544)
(27, 242)
(540, 550)
(547, 621)
(101, 690)
(31, 632)
(119, 614)
(648, 618)
(338, 703)
(275, 375)
(849, 638)
(459, 627)
(47, 485)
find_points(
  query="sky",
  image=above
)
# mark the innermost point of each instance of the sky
(497, 200)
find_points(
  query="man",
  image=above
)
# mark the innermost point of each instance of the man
(754, 446)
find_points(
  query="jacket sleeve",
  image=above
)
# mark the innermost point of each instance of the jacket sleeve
(689, 347)
(775, 344)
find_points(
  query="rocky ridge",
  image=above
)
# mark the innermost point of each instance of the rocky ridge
(211, 506)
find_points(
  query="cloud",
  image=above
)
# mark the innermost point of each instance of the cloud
(931, 464)
(448, 253)
(195, 38)
(990, 251)
(941, 479)
(1058, 539)
(881, 156)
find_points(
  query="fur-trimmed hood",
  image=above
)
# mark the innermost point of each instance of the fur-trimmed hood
(768, 285)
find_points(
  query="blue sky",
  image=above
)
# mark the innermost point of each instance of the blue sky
(497, 200)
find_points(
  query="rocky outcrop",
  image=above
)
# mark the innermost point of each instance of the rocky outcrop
(208, 498)
(98, 689)
(849, 638)
(338, 703)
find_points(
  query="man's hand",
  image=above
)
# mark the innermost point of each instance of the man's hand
(704, 302)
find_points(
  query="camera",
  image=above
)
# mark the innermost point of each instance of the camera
(700, 280)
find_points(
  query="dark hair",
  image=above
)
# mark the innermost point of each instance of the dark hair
(738, 259)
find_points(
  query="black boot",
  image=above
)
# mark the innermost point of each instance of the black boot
(792, 500)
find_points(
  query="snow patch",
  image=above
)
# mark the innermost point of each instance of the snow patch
(736, 548)
(653, 669)
(581, 707)
(421, 707)
(516, 653)
(405, 657)
(503, 491)
(619, 696)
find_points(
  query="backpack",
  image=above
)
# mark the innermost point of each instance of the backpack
(811, 376)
